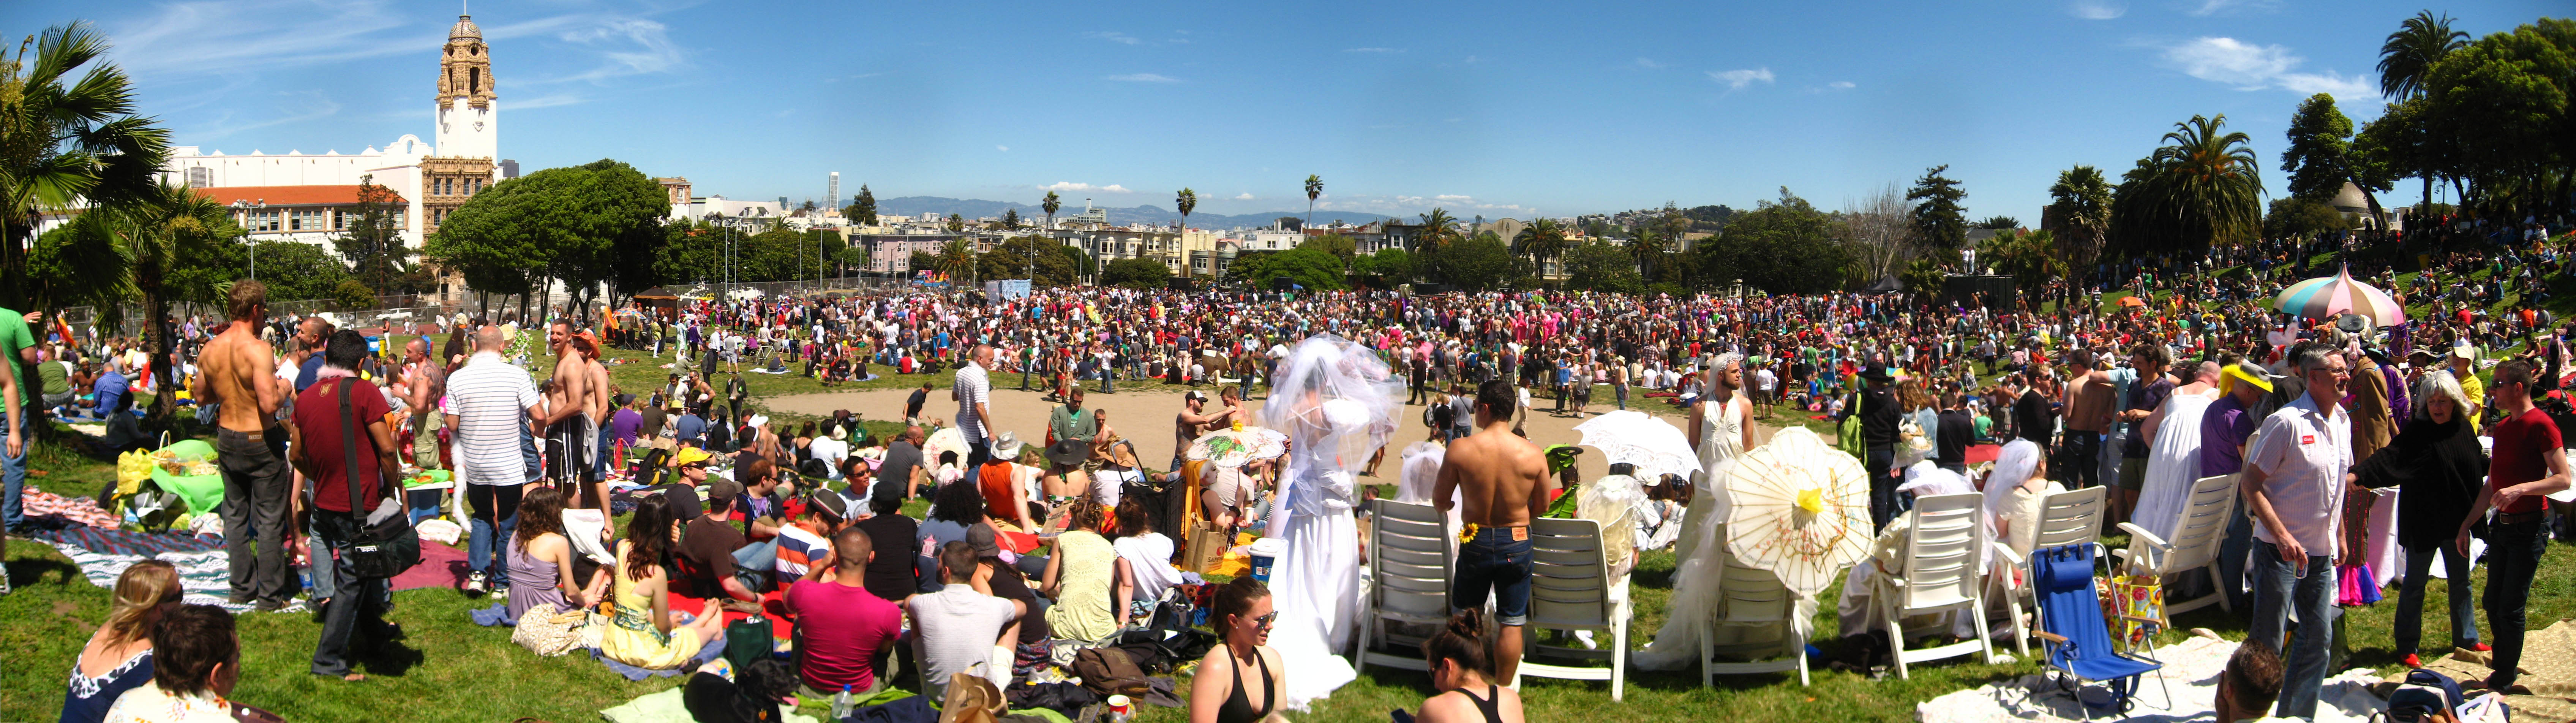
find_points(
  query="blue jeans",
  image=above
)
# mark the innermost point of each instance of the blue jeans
(2231, 560)
(2513, 555)
(753, 564)
(495, 520)
(1495, 564)
(361, 612)
(2274, 592)
(2410, 598)
(602, 452)
(13, 470)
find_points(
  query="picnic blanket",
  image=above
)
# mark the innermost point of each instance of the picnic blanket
(2191, 673)
(668, 706)
(205, 574)
(111, 541)
(441, 565)
(2549, 671)
(80, 510)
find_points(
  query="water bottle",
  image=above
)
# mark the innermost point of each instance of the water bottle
(841, 704)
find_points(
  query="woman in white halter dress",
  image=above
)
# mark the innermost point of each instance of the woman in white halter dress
(1700, 554)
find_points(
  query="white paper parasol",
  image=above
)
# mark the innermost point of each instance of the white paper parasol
(1801, 510)
(1655, 446)
(1231, 448)
(947, 439)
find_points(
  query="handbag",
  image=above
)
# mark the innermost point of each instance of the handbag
(385, 545)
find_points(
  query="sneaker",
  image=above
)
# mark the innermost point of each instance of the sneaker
(476, 585)
(268, 606)
(2411, 662)
(2478, 647)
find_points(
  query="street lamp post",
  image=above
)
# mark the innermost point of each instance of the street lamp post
(246, 207)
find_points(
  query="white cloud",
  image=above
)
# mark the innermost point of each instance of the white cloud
(299, 106)
(1114, 37)
(2251, 67)
(1142, 78)
(643, 46)
(2213, 7)
(2098, 9)
(1078, 187)
(1841, 85)
(1372, 50)
(1453, 198)
(1737, 79)
(1001, 148)
(548, 101)
(1245, 196)
(1648, 63)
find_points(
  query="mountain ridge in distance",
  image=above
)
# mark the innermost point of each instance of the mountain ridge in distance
(978, 208)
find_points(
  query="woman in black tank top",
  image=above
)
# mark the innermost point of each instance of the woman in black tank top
(1462, 669)
(1244, 616)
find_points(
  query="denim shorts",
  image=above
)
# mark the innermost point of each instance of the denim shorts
(1492, 563)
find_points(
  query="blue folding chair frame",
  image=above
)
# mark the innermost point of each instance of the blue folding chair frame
(2077, 637)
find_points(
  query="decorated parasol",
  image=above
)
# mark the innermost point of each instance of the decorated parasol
(2326, 296)
(1237, 446)
(1800, 509)
(1655, 446)
(947, 439)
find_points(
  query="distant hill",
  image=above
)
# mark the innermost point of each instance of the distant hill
(978, 208)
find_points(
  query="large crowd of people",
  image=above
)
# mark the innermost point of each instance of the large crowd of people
(1073, 538)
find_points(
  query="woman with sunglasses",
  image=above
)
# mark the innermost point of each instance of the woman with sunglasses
(1218, 692)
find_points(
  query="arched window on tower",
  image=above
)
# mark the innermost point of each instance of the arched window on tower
(473, 80)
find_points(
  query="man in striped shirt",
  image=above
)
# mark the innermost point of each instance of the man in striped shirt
(971, 390)
(489, 405)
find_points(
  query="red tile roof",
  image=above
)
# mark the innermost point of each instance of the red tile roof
(291, 195)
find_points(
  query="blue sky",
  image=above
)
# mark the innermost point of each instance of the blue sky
(1498, 109)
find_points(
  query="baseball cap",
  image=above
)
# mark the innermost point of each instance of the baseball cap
(985, 542)
(886, 491)
(721, 488)
(1195, 396)
(689, 455)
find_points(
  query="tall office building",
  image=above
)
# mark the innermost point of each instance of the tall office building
(832, 191)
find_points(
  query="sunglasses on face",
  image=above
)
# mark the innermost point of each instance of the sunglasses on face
(1266, 620)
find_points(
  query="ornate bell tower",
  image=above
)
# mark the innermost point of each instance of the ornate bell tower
(467, 118)
(468, 122)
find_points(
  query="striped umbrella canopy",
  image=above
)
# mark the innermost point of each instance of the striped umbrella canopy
(2326, 296)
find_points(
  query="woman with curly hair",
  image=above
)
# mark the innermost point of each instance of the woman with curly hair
(645, 633)
(1078, 576)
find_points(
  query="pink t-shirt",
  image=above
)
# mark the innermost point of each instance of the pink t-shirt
(846, 633)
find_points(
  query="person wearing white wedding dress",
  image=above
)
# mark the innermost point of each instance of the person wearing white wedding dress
(2173, 461)
(1337, 402)
(1720, 430)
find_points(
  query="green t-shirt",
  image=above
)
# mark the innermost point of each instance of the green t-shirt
(14, 336)
(56, 379)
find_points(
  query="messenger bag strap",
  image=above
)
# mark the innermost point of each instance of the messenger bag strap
(349, 447)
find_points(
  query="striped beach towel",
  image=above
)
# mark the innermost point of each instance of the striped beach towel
(205, 574)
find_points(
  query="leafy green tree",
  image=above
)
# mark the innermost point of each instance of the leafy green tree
(2506, 101)
(1051, 204)
(67, 137)
(1010, 219)
(1011, 259)
(2078, 216)
(1784, 247)
(2319, 137)
(1389, 266)
(1083, 264)
(1600, 266)
(82, 263)
(298, 271)
(922, 261)
(1314, 190)
(577, 224)
(2032, 259)
(1940, 223)
(2203, 187)
(1648, 248)
(1340, 246)
(691, 252)
(957, 260)
(1479, 263)
(371, 244)
(956, 223)
(862, 210)
(351, 295)
(1135, 274)
(1999, 223)
(1438, 229)
(2295, 216)
(1311, 268)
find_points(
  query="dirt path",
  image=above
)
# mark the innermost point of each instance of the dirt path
(1145, 417)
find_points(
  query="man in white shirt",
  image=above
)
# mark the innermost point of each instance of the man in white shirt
(2293, 484)
(972, 388)
(490, 402)
(958, 627)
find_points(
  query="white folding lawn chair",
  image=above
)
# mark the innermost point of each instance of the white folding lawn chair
(1753, 598)
(1571, 590)
(1410, 563)
(1940, 575)
(2067, 518)
(2198, 530)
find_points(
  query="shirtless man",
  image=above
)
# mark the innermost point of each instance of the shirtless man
(236, 370)
(566, 395)
(1506, 485)
(1194, 422)
(424, 383)
(596, 406)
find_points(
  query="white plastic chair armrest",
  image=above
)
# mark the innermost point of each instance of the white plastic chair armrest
(2141, 534)
(2005, 551)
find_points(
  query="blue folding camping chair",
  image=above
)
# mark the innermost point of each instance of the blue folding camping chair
(2077, 638)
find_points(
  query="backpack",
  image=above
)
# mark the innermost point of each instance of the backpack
(1108, 671)
(2425, 696)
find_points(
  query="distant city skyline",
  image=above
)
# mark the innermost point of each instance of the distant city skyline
(1500, 110)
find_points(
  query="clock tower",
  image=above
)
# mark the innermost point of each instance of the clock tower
(468, 122)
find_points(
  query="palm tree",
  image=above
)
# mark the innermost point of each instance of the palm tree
(1050, 204)
(1543, 240)
(1314, 189)
(1648, 249)
(66, 140)
(175, 223)
(1187, 201)
(2203, 187)
(2406, 59)
(1438, 228)
(2078, 215)
(957, 258)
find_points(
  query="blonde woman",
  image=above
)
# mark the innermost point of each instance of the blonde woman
(119, 656)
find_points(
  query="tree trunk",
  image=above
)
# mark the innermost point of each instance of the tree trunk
(156, 308)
